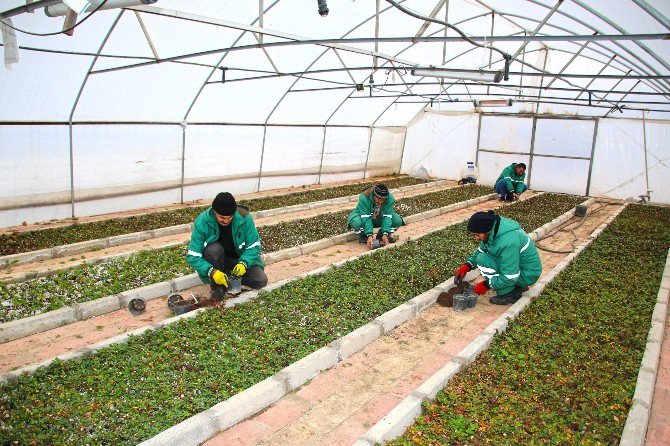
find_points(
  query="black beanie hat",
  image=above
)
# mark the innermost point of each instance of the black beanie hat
(381, 191)
(481, 222)
(224, 204)
(521, 165)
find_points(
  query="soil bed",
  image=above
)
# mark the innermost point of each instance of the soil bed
(129, 392)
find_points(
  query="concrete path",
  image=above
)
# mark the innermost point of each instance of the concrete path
(341, 404)
(658, 432)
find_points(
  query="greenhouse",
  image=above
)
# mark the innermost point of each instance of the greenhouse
(313, 222)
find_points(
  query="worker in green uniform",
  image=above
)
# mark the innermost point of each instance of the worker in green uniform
(225, 241)
(506, 258)
(510, 184)
(375, 210)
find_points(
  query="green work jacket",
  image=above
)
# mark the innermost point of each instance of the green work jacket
(515, 252)
(206, 230)
(513, 181)
(366, 207)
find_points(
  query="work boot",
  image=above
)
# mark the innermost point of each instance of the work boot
(393, 238)
(506, 299)
(509, 197)
(362, 238)
(503, 198)
(217, 292)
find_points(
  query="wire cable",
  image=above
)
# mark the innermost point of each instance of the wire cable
(416, 15)
(55, 33)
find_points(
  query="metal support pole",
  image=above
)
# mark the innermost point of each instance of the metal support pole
(479, 135)
(593, 150)
(644, 139)
(402, 151)
(260, 166)
(323, 150)
(532, 150)
(367, 157)
(183, 161)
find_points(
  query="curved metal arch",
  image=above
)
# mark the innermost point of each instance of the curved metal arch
(76, 102)
(581, 22)
(632, 65)
(204, 83)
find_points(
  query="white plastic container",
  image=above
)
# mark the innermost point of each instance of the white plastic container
(470, 171)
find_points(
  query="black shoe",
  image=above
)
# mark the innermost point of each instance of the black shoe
(503, 198)
(393, 238)
(506, 299)
(509, 197)
(362, 238)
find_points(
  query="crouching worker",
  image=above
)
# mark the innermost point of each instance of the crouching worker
(506, 258)
(225, 242)
(510, 184)
(375, 210)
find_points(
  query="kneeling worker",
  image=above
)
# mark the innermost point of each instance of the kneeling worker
(506, 257)
(225, 241)
(510, 184)
(375, 210)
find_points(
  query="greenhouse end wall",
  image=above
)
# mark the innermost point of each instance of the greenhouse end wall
(121, 167)
(609, 157)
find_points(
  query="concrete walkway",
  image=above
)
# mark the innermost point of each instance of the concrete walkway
(658, 432)
(341, 404)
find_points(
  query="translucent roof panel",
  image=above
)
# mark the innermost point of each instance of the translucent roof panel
(167, 61)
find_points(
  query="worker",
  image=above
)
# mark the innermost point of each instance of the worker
(506, 258)
(225, 242)
(510, 184)
(375, 210)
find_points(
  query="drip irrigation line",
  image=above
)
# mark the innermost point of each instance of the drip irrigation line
(565, 227)
(55, 33)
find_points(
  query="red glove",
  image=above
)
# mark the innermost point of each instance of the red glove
(481, 287)
(461, 272)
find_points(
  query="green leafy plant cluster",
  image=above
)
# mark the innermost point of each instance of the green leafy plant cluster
(89, 282)
(24, 241)
(565, 371)
(128, 392)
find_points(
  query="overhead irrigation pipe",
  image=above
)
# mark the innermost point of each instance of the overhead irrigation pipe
(506, 56)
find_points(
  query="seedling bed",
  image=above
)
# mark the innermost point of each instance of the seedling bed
(89, 282)
(129, 392)
(565, 370)
(25, 241)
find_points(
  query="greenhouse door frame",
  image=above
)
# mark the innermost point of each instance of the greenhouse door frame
(531, 153)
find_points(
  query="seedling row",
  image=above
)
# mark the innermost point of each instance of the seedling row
(90, 282)
(565, 370)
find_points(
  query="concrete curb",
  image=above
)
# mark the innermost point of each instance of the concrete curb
(635, 430)
(107, 242)
(10, 331)
(405, 413)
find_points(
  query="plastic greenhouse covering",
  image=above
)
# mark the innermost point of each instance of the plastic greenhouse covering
(152, 102)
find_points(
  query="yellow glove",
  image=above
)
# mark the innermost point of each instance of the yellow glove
(239, 270)
(219, 278)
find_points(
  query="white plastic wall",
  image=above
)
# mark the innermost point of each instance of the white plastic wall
(345, 152)
(503, 140)
(555, 140)
(440, 143)
(658, 160)
(386, 146)
(618, 163)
